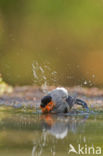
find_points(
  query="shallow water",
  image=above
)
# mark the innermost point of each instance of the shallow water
(30, 134)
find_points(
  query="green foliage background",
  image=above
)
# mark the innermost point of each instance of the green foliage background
(67, 34)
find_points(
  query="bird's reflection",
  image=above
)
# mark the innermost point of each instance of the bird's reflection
(59, 127)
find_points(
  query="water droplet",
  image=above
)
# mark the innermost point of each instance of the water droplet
(85, 82)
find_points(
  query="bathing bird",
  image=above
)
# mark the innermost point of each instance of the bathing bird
(59, 101)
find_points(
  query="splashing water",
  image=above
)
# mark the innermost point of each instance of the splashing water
(44, 75)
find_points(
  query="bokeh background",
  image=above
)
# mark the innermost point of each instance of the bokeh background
(65, 34)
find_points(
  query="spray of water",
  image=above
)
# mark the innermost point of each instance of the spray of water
(44, 75)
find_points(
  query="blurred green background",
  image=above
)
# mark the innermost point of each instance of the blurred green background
(65, 34)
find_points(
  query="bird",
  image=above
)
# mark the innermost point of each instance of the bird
(59, 101)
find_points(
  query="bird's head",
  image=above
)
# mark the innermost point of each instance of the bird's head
(46, 104)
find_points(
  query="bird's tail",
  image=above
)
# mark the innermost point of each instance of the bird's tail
(82, 103)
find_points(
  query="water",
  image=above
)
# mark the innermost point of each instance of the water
(30, 134)
(44, 74)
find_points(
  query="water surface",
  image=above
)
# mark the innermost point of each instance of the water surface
(29, 134)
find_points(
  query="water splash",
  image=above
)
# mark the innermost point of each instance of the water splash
(44, 75)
